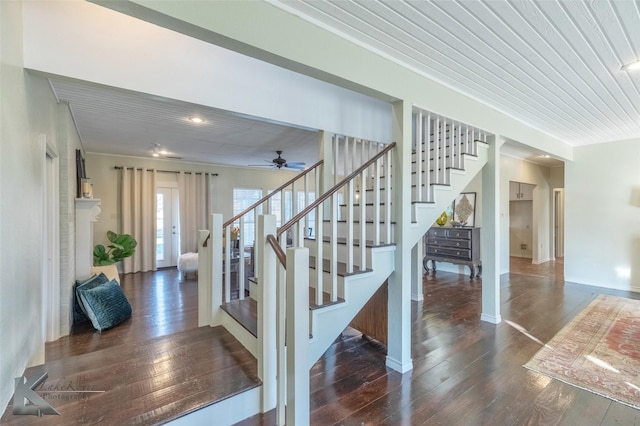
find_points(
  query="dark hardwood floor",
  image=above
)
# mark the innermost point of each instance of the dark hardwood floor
(551, 269)
(466, 372)
(148, 370)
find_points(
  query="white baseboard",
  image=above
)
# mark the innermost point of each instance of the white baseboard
(398, 366)
(490, 318)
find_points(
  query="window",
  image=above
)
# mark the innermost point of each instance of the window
(276, 207)
(242, 199)
(311, 217)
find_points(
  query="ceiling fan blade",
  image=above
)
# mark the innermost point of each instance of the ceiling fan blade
(296, 163)
(295, 166)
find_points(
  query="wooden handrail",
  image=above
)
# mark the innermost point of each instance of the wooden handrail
(284, 228)
(274, 192)
(280, 254)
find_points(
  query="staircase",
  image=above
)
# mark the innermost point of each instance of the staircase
(343, 262)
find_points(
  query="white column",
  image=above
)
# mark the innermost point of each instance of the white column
(399, 318)
(267, 361)
(87, 211)
(417, 253)
(490, 234)
(298, 407)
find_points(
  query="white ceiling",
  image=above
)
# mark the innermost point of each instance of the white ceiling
(552, 64)
(118, 122)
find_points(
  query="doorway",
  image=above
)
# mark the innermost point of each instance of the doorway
(167, 226)
(558, 223)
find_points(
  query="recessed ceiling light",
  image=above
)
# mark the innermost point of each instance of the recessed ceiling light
(196, 120)
(632, 66)
(546, 156)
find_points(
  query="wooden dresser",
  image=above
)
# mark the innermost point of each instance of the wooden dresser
(453, 245)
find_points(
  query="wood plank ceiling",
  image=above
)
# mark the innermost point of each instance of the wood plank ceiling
(553, 64)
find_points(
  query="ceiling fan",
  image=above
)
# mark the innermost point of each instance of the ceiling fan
(279, 162)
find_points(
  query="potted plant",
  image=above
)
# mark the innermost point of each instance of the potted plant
(105, 259)
(121, 247)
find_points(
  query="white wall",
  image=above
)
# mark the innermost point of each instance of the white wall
(104, 176)
(28, 118)
(82, 40)
(68, 142)
(602, 215)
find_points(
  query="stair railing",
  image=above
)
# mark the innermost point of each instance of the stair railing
(292, 279)
(264, 205)
(380, 223)
(440, 145)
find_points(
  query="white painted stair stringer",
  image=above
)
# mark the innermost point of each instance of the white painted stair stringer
(248, 340)
(426, 214)
(329, 321)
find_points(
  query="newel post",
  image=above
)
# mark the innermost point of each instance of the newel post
(267, 348)
(204, 278)
(215, 272)
(297, 336)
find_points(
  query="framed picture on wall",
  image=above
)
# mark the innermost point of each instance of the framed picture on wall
(81, 173)
(464, 208)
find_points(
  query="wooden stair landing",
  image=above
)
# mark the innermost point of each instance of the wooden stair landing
(154, 367)
(147, 382)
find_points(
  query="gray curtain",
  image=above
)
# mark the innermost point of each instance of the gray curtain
(138, 213)
(194, 191)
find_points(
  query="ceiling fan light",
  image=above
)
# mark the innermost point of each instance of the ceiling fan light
(632, 66)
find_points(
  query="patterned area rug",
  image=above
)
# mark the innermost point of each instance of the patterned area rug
(599, 351)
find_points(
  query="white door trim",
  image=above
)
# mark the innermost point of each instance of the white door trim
(52, 303)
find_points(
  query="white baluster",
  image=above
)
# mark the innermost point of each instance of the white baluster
(418, 156)
(334, 247)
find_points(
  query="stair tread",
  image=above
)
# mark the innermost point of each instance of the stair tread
(358, 204)
(356, 242)
(342, 267)
(357, 221)
(245, 311)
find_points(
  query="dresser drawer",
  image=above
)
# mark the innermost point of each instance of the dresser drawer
(437, 232)
(443, 242)
(449, 252)
(459, 233)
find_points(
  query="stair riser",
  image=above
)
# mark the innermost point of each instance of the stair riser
(326, 282)
(369, 229)
(368, 211)
(342, 252)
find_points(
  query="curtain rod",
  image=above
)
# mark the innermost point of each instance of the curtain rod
(166, 171)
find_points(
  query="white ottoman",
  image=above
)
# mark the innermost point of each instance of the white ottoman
(188, 262)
